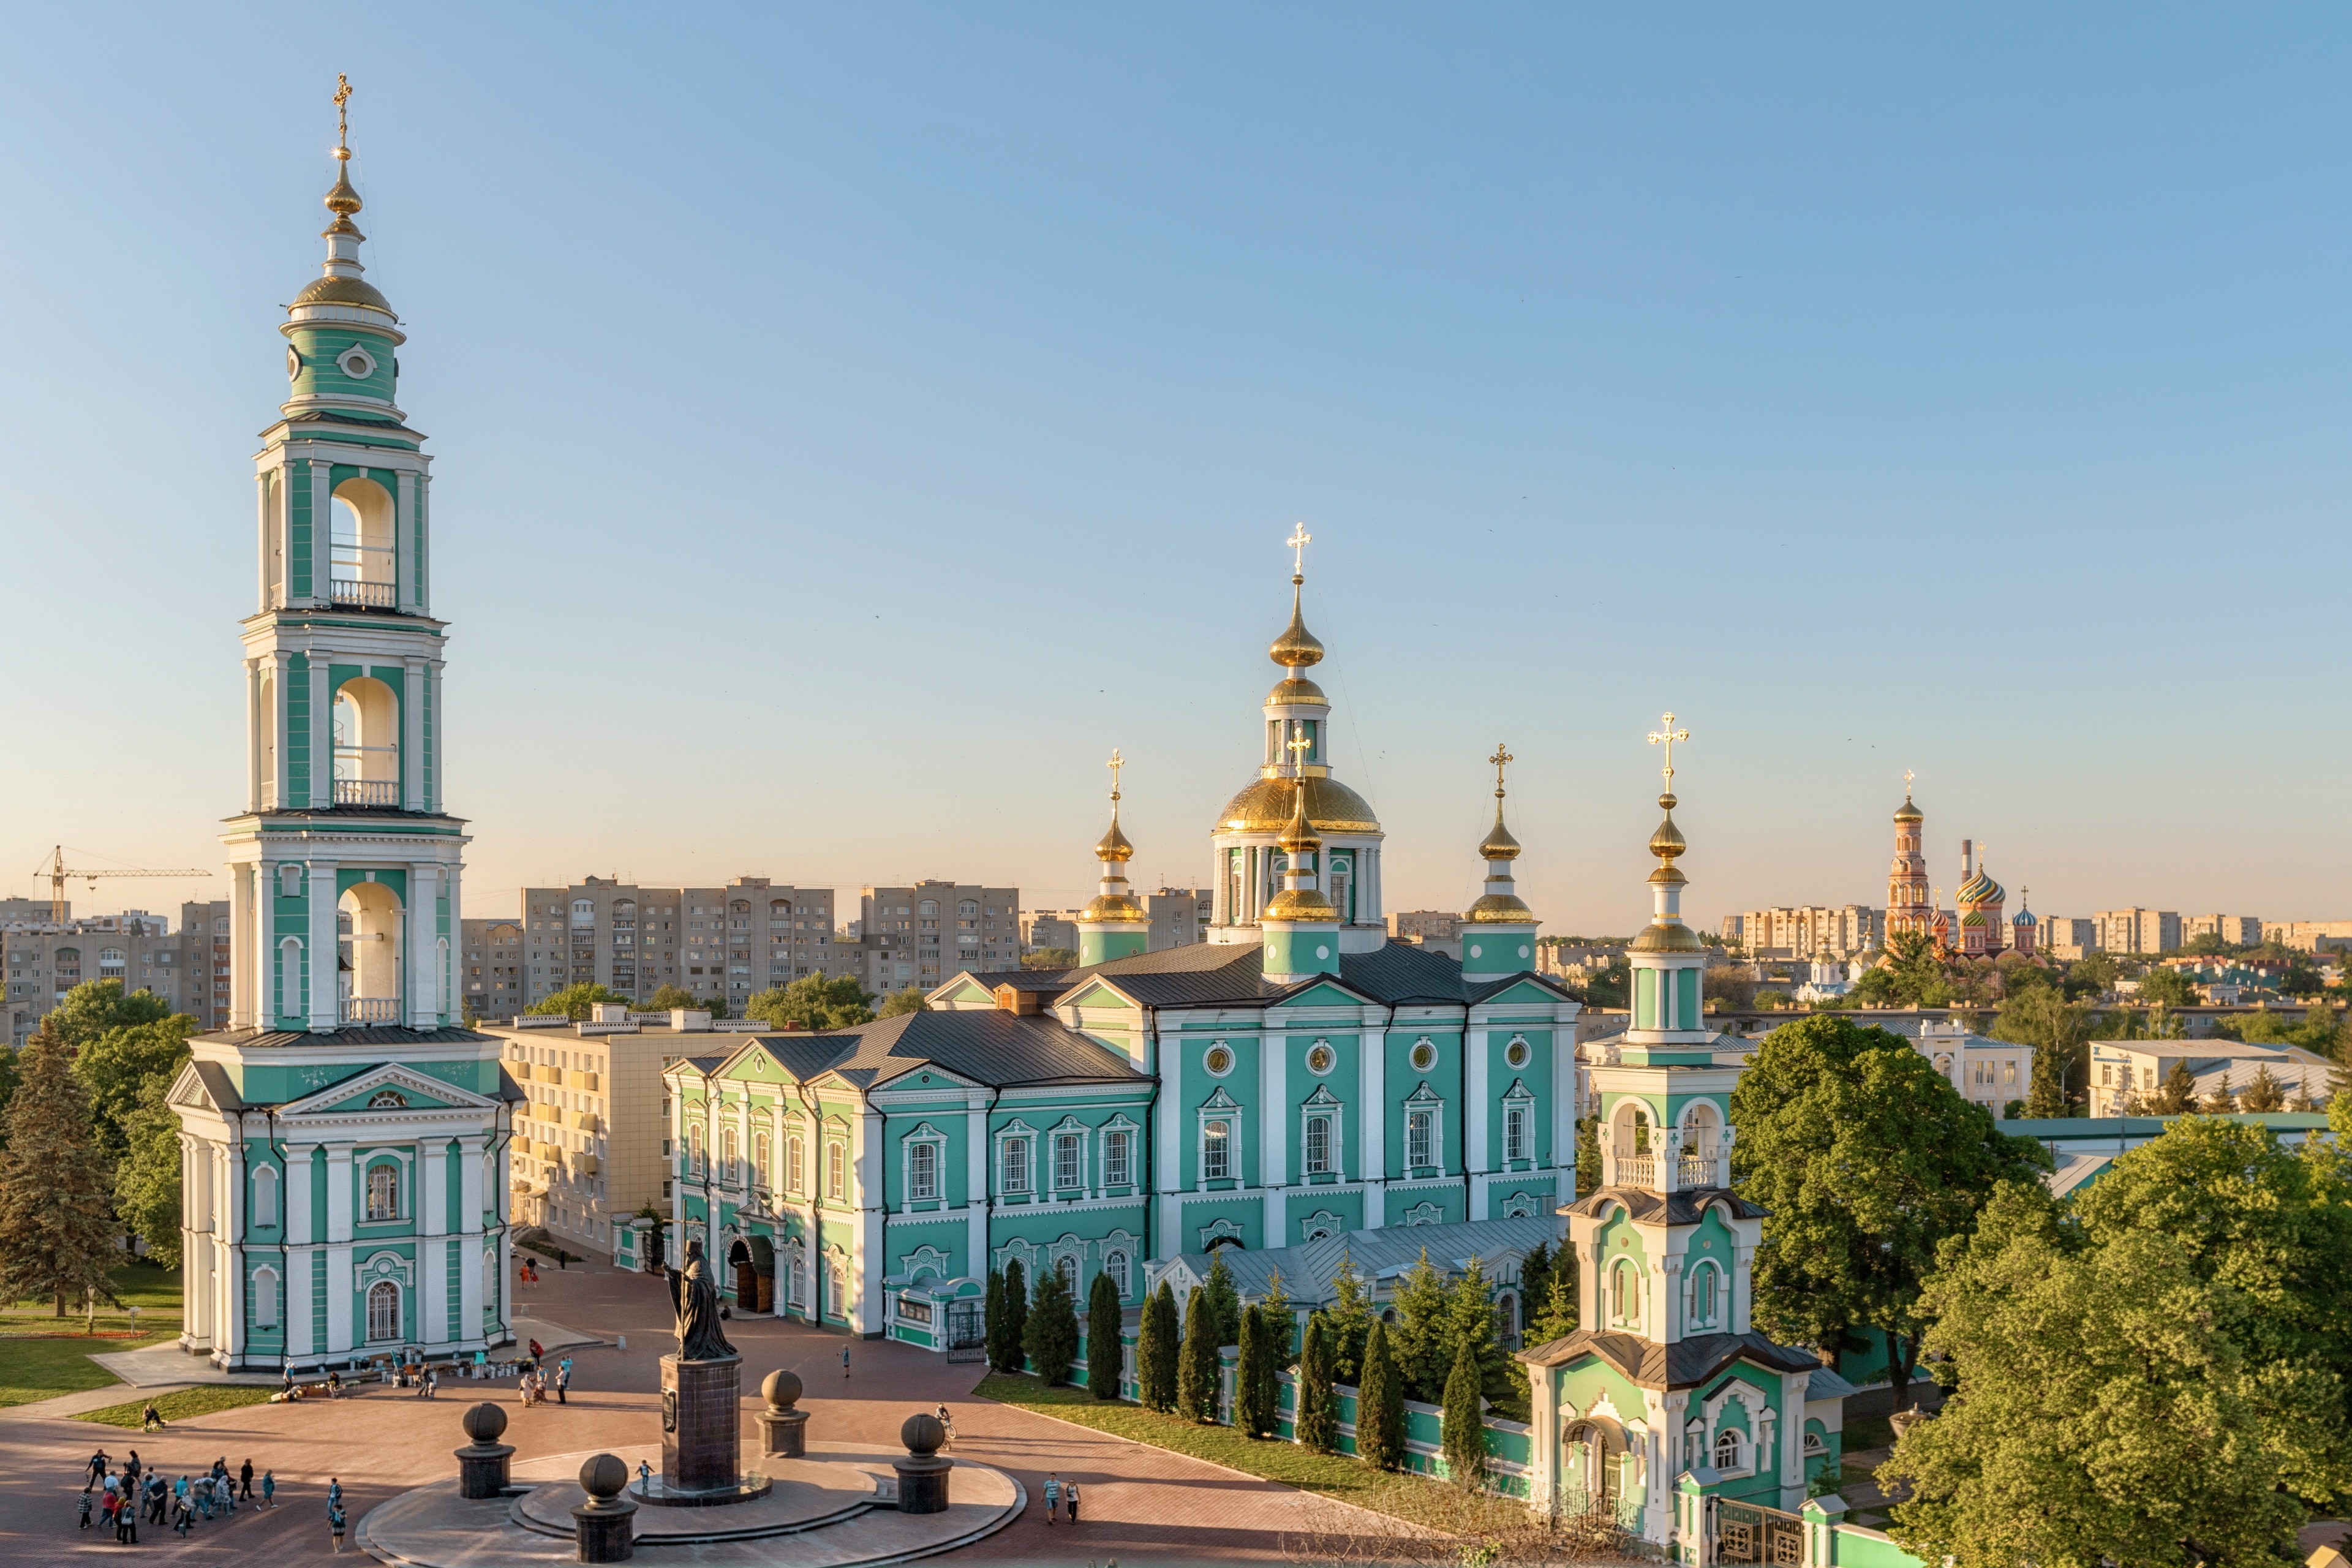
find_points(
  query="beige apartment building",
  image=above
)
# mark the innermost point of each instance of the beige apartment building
(1178, 917)
(2137, 930)
(1807, 930)
(590, 1149)
(186, 968)
(2238, 931)
(920, 935)
(1049, 928)
(1423, 925)
(2311, 936)
(724, 943)
(2067, 937)
(490, 966)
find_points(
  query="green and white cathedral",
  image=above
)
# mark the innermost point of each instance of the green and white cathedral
(344, 1166)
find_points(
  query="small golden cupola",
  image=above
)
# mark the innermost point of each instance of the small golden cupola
(339, 282)
(1499, 929)
(1667, 932)
(1113, 925)
(1300, 898)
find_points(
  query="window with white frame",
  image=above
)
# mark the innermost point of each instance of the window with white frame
(836, 1169)
(762, 1173)
(1421, 1136)
(1626, 1292)
(265, 1196)
(1726, 1450)
(1070, 1161)
(922, 1172)
(1114, 1264)
(1706, 1295)
(795, 1164)
(1318, 1144)
(694, 1150)
(1217, 1149)
(384, 1311)
(1515, 1118)
(265, 1297)
(1118, 1159)
(1013, 1163)
(384, 1192)
(727, 1170)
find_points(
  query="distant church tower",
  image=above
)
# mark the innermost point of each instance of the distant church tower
(345, 861)
(344, 1181)
(1909, 905)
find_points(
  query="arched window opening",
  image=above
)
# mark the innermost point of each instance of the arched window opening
(727, 1172)
(1625, 1293)
(694, 1150)
(289, 978)
(384, 1311)
(1067, 1268)
(265, 1196)
(368, 965)
(1726, 1451)
(363, 563)
(796, 1165)
(762, 1171)
(1114, 1264)
(265, 1297)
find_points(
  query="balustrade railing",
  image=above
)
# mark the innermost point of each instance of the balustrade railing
(367, 792)
(1636, 1170)
(1697, 1171)
(372, 1010)
(363, 593)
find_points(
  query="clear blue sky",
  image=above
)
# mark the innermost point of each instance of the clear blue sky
(851, 423)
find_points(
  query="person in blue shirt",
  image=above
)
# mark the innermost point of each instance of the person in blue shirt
(1052, 1495)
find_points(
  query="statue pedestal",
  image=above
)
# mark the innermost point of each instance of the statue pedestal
(783, 1434)
(702, 1419)
(923, 1483)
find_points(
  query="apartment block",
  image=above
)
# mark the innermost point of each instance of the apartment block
(187, 969)
(1807, 930)
(724, 943)
(920, 935)
(2066, 936)
(1178, 916)
(1423, 925)
(2137, 930)
(2238, 931)
(2311, 936)
(490, 968)
(1049, 928)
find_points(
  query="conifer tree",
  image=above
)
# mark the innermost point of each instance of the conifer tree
(2178, 1092)
(1251, 1417)
(1104, 1352)
(1157, 1350)
(1196, 1369)
(2223, 1100)
(1050, 1335)
(1555, 1317)
(1380, 1404)
(2263, 1094)
(1318, 1425)
(1534, 1284)
(56, 1217)
(1470, 1323)
(1224, 1300)
(1349, 1319)
(1464, 1441)
(1421, 1340)
(1007, 1340)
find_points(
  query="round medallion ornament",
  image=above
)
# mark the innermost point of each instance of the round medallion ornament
(1515, 1053)
(1322, 951)
(356, 363)
(1219, 1061)
(1523, 949)
(1425, 1055)
(1477, 952)
(293, 362)
(1320, 1058)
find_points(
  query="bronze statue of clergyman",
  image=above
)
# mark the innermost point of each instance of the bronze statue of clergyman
(696, 1300)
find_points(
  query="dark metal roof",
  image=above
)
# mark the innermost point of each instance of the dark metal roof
(356, 1034)
(1682, 1207)
(987, 1046)
(1683, 1364)
(215, 1080)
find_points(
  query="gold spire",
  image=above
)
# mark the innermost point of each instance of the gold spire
(1907, 812)
(1296, 901)
(1501, 903)
(1667, 842)
(1297, 647)
(1114, 844)
(1113, 902)
(343, 201)
(1499, 844)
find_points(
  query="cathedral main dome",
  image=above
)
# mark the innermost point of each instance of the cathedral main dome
(1266, 807)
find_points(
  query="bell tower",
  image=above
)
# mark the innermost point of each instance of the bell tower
(344, 861)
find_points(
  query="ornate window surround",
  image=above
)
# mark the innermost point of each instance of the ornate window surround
(924, 1132)
(1078, 1132)
(1016, 1131)
(1324, 1103)
(1518, 1098)
(1429, 1101)
(1219, 1107)
(1119, 1123)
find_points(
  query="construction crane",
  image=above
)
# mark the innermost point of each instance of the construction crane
(58, 871)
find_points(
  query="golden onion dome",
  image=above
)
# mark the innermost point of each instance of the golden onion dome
(1667, 842)
(334, 290)
(1294, 692)
(1267, 805)
(1297, 647)
(1906, 812)
(1112, 907)
(343, 201)
(1499, 845)
(1114, 844)
(1299, 904)
(1298, 833)
(1659, 938)
(1500, 909)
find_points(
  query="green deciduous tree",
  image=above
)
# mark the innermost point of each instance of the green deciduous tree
(1159, 1348)
(2107, 1413)
(1051, 958)
(1318, 1425)
(814, 1002)
(147, 1178)
(1866, 1160)
(1380, 1404)
(579, 1001)
(118, 1042)
(57, 1219)
(1105, 1353)
(1463, 1439)
(668, 999)
(909, 1000)
(2060, 1032)
(1196, 1367)
(1050, 1335)
(2167, 987)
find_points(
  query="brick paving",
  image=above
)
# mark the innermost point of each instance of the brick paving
(1141, 1504)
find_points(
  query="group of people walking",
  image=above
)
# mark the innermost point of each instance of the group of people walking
(121, 1500)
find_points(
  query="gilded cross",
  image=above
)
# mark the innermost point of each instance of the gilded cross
(1501, 759)
(1116, 763)
(1667, 737)
(1906, 783)
(1298, 540)
(1299, 745)
(343, 115)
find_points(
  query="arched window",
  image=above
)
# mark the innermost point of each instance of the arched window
(727, 1172)
(836, 1169)
(795, 1164)
(384, 1311)
(1626, 1292)
(929, 907)
(1726, 1450)
(1706, 1295)
(289, 978)
(265, 1297)
(1506, 1320)
(694, 1150)
(384, 1192)
(265, 1196)
(762, 1171)
(290, 882)
(1067, 1268)
(1114, 1264)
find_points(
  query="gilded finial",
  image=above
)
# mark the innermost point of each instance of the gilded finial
(1115, 846)
(1667, 842)
(342, 116)
(343, 201)
(1501, 760)
(1299, 745)
(1908, 776)
(1499, 844)
(1116, 763)
(1667, 737)
(1297, 647)
(1298, 540)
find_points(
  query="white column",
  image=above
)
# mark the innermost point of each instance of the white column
(1372, 1128)
(261, 563)
(1742, 1295)
(322, 533)
(254, 717)
(1475, 1156)
(323, 731)
(303, 1231)
(1378, 913)
(471, 1202)
(867, 1267)
(411, 731)
(247, 951)
(976, 1184)
(437, 778)
(421, 966)
(1273, 1133)
(424, 544)
(232, 1226)
(339, 1247)
(326, 1011)
(1563, 1108)
(280, 704)
(403, 533)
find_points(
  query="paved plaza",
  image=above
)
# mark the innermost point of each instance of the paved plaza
(1141, 1504)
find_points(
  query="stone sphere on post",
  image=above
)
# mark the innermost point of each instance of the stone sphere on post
(604, 1528)
(485, 1421)
(482, 1462)
(781, 1389)
(922, 1474)
(922, 1434)
(603, 1476)
(783, 1429)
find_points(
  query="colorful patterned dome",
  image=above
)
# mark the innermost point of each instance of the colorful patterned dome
(1981, 889)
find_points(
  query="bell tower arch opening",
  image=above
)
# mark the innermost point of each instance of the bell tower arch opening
(363, 560)
(370, 965)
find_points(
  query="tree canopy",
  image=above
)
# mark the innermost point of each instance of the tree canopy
(147, 1179)
(814, 1002)
(1866, 1160)
(909, 1000)
(579, 1000)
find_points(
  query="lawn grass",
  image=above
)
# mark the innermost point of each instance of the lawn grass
(180, 1406)
(1413, 1499)
(42, 1369)
(1867, 1432)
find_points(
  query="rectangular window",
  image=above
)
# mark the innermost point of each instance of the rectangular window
(1515, 1132)
(914, 1311)
(1419, 1130)
(1216, 1150)
(1016, 1164)
(1319, 1145)
(922, 1172)
(796, 1166)
(1115, 1158)
(837, 1171)
(384, 1193)
(1069, 1155)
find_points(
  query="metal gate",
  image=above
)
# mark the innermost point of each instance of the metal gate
(1748, 1532)
(967, 1336)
